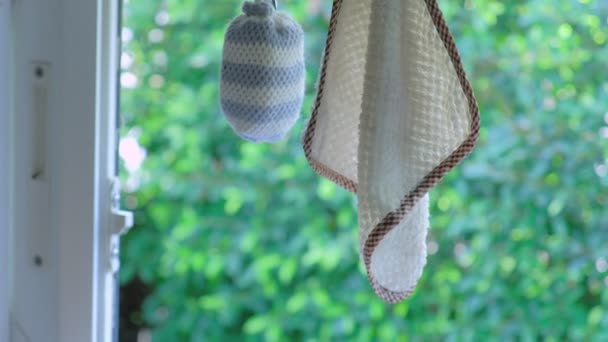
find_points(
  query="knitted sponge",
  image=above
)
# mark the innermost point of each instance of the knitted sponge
(262, 77)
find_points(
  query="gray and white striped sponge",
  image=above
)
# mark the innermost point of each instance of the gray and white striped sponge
(263, 76)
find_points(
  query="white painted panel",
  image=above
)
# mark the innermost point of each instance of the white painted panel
(34, 296)
(87, 163)
(76, 213)
(64, 128)
(4, 169)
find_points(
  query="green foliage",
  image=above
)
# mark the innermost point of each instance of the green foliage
(239, 241)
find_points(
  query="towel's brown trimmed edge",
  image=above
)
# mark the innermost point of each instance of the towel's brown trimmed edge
(392, 219)
(319, 167)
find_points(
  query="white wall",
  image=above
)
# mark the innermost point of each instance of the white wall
(4, 174)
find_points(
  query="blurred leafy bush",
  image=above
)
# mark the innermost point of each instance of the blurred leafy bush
(238, 241)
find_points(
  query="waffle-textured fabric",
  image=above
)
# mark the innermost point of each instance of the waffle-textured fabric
(262, 77)
(394, 113)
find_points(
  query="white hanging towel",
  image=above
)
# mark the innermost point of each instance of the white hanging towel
(394, 113)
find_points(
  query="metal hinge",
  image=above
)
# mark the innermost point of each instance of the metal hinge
(120, 223)
(122, 220)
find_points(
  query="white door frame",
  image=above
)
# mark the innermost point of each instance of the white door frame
(64, 68)
(4, 169)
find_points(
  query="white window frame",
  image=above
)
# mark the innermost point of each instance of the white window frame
(63, 226)
(4, 170)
